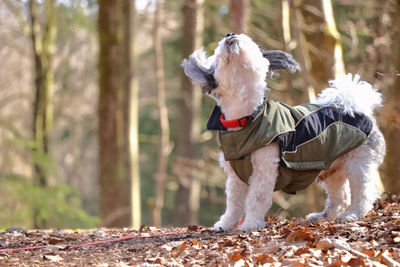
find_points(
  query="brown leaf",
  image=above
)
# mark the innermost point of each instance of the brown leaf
(301, 251)
(177, 251)
(300, 234)
(229, 243)
(336, 263)
(236, 256)
(52, 240)
(264, 258)
(193, 228)
(355, 262)
(387, 259)
(369, 251)
(286, 231)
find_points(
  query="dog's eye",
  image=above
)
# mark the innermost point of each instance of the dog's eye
(229, 34)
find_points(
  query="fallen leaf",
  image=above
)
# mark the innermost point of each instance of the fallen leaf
(52, 240)
(345, 258)
(235, 256)
(193, 228)
(264, 258)
(269, 250)
(177, 251)
(170, 246)
(229, 243)
(369, 251)
(387, 259)
(356, 262)
(292, 263)
(301, 251)
(324, 244)
(336, 263)
(241, 263)
(55, 258)
(301, 233)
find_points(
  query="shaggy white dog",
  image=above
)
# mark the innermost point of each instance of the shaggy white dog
(235, 77)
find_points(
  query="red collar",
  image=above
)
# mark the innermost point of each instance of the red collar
(235, 123)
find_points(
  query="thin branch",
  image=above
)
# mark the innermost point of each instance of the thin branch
(396, 73)
(22, 21)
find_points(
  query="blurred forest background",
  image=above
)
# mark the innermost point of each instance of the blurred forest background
(99, 126)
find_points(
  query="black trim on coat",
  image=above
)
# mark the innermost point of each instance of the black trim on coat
(315, 123)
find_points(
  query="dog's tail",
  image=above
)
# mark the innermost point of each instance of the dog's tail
(351, 94)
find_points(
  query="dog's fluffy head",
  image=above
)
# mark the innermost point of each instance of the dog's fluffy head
(237, 64)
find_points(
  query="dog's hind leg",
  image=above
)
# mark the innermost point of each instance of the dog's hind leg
(336, 185)
(261, 186)
(362, 178)
(361, 167)
(363, 191)
(236, 192)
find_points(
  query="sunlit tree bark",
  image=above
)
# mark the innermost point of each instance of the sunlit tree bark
(163, 152)
(320, 53)
(131, 110)
(320, 41)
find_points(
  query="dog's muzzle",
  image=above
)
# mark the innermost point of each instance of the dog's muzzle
(230, 39)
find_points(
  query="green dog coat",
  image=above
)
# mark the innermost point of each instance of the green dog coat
(310, 138)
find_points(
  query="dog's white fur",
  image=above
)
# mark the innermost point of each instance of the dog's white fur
(240, 71)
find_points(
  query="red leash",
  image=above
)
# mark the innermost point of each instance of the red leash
(92, 243)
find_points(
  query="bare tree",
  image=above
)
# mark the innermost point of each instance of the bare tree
(113, 178)
(188, 199)
(319, 41)
(319, 52)
(238, 13)
(131, 109)
(43, 38)
(42, 33)
(163, 152)
(392, 131)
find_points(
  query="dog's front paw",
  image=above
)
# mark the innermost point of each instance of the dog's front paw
(252, 225)
(222, 226)
(348, 217)
(316, 217)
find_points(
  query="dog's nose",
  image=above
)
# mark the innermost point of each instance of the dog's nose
(230, 34)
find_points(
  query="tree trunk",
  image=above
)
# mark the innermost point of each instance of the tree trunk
(43, 39)
(392, 131)
(320, 52)
(238, 13)
(131, 110)
(188, 197)
(163, 152)
(113, 178)
(320, 41)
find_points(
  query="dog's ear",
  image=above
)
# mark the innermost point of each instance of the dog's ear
(200, 69)
(280, 60)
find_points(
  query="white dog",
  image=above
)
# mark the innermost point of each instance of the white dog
(256, 166)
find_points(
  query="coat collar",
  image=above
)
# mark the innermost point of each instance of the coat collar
(217, 119)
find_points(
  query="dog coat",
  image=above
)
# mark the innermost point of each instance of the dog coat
(310, 138)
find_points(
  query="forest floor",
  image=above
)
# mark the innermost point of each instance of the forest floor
(373, 241)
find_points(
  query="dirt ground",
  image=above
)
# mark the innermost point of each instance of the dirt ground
(373, 241)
